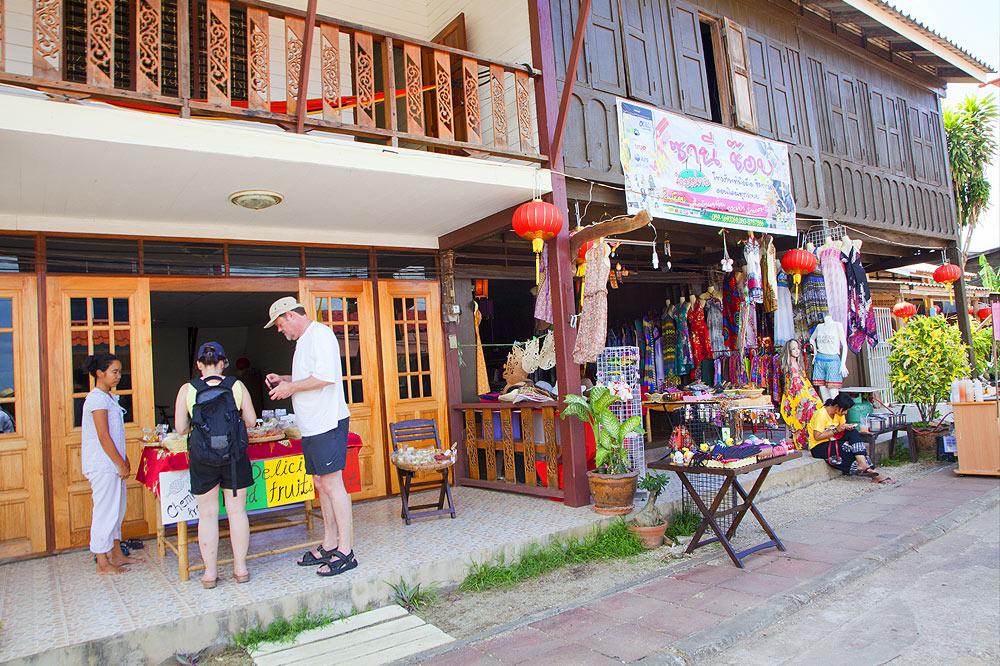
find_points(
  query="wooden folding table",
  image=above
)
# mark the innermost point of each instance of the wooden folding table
(711, 514)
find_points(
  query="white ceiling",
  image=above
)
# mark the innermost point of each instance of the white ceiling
(88, 167)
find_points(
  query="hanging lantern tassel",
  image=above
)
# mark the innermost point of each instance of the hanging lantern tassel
(537, 245)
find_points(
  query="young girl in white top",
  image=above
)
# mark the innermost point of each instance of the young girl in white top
(104, 462)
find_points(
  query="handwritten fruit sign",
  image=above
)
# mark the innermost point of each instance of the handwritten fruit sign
(276, 482)
(680, 169)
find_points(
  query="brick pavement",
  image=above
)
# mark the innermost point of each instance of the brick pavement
(629, 625)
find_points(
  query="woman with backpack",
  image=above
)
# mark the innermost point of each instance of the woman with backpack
(215, 412)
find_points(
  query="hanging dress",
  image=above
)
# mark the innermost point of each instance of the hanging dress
(731, 312)
(860, 318)
(784, 323)
(592, 328)
(668, 338)
(769, 266)
(814, 297)
(482, 376)
(835, 282)
(648, 357)
(755, 281)
(543, 301)
(685, 360)
(714, 320)
(701, 343)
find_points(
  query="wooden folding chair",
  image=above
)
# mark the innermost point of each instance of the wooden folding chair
(420, 430)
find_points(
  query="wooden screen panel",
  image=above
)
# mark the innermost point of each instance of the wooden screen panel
(443, 103)
(219, 64)
(498, 100)
(348, 309)
(739, 75)
(100, 43)
(690, 54)
(604, 48)
(22, 488)
(148, 52)
(470, 91)
(642, 62)
(88, 315)
(295, 30)
(329, 50)
(758, 63)
(47, 40)
(522, 98)
(258, 60)
(364, 79)
(414, 86)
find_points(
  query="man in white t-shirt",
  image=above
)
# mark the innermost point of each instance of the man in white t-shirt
(316, 387)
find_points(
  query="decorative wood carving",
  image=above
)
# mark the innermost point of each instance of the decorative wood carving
(621, 225)
(364, 79)
(551, 448)
(489, 443)
(47, 40)
(258, 60)
(330, 71)
(498, 100)
(443, 99)
(147, 48)
(470, 92)
(218, 53)
(522, 83)
(528, 442)
(100, 43)
(295, 30)
(506, 425)
(471, 446)
(414, 77)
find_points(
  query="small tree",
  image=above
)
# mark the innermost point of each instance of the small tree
(927, 356)
(969, 131)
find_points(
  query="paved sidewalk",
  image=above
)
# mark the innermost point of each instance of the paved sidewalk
(687, 616)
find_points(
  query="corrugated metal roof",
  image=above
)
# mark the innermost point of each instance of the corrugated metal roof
(936, 36)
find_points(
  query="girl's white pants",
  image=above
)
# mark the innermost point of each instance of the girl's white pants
(108, 491)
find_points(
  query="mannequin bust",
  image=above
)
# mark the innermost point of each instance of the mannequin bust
(810, 247)
(829, 357)
(692, 299)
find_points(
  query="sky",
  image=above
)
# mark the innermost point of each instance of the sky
(975, 26)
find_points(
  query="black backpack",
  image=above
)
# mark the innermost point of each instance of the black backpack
(218, 435)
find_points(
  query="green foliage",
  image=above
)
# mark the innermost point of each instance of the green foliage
(413, 598)
(650, 515)
(683, 523)
(989, 276)
(971, 148)
(927, 356)
(607, 543)
(282, 630)
(609, 432)
(982, 348)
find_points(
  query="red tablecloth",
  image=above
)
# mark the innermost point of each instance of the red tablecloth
(155, 460)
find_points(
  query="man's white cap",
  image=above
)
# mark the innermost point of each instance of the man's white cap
(280, 307)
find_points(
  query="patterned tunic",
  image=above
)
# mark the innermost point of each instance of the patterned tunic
(714, 319)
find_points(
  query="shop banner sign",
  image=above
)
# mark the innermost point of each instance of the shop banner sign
(276, 482)
(680, 169)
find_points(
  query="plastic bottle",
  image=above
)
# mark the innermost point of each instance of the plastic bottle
(962, 391)
(954, 390)
(977, 389)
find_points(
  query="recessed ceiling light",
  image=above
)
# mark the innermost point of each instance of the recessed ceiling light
(255, 199)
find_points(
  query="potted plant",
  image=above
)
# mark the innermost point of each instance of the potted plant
(927, 356)
(612, 483)
(650, 523)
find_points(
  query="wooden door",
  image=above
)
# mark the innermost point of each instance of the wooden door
(348, 308)
(413, 355)
(88, 315)
(22, 486)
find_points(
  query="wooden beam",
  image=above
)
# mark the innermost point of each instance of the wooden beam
(570, 78)
(487, 226)
(307, 43)
(604, 229)
(184, 58)
(903, 47)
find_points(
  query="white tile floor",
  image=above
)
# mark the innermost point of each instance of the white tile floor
(57, 601)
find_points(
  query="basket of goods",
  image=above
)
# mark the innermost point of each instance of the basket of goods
(268, 431)
(427, 459)
(175, 442)
(290, 426)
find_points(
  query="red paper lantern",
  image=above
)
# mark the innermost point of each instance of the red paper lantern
(904, 310)
(798, 262)
(947, 273)
(537, 221)
(983, 313)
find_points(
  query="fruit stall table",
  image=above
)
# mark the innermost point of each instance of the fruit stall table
(279, 481)
(739, 511)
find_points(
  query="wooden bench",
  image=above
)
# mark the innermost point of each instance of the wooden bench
(870, 438)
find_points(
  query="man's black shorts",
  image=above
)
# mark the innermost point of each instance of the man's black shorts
(326, 453)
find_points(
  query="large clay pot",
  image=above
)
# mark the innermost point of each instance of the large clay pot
(924, 439)
(612, 493)
(652, 537)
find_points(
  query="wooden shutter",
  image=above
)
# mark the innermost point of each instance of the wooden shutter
(880, 130)
(757, 50)
(739, 75)
(564, 17)
(691, 73)
(849, 97)
(894, 123)
(838, 123)
(783, 98)
(604, 55)
(916, 145)
(642, 62)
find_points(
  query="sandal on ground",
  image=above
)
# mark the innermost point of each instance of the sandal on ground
(209, 584)
(310, 560)
(245, 578)
(338, 564)
(884, 479)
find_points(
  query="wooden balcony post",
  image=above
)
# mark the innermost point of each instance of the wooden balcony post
(574, 457)
(184, 57)
(389, 88)
(303, 100)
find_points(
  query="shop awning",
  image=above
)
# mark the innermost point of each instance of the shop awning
(90, 168)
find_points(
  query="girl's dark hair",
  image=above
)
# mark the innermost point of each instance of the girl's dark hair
(212, 355)
(843, 401)
(100, 361)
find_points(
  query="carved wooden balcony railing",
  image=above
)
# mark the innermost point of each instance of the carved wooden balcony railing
(217, 58)
(510, 447)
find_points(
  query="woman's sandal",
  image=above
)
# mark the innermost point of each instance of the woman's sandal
(209, 584)
(338, 564)
(310, 560)
(245, 578)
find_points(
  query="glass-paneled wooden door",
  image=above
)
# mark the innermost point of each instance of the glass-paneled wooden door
(347, 307)
(88, 315)
(22, 481)
(413, 356)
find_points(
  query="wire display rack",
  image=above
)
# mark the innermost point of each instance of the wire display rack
(819, 236)
(621, 364)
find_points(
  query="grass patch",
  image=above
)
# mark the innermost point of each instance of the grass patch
(900, 456)
(608, 543)
(683, 523)
(284, 631)
(413, 598)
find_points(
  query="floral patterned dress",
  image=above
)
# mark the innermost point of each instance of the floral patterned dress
(799, 402)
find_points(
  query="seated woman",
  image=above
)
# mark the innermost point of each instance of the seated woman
(833, 439)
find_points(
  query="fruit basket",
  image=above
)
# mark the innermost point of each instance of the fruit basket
(423, 460)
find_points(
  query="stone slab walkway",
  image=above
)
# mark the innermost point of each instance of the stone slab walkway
(699, 611)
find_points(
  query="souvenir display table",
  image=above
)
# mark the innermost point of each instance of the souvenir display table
(279, 481)
(710, 513)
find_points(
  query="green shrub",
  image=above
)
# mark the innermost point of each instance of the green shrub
(927, 356)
